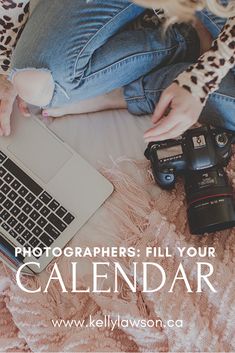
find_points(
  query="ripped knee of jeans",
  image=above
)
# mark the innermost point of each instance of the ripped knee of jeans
(35, 86)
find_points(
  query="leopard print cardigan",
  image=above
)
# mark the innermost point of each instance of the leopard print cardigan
(204, 77)
(13, 16)
(200, 79)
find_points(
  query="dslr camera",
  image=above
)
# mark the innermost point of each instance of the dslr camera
(199, 155)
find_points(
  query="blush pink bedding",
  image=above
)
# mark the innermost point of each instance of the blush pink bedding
(136, 215)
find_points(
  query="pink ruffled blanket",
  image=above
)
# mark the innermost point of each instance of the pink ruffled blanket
(139, 215)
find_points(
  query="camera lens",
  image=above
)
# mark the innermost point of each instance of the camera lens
(210, 201)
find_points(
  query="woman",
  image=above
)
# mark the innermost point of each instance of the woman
(71, 53)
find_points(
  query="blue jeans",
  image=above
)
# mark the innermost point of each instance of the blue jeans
(90, 51)
(143, 94)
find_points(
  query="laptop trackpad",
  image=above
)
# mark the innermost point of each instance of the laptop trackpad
(39, 151)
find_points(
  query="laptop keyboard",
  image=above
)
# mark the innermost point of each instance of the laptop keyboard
(27, 212)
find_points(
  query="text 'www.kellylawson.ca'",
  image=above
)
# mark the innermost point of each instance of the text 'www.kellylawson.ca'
(117, 322)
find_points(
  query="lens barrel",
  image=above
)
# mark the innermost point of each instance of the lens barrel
(210, 201)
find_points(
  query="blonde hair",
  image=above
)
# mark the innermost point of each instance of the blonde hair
(184, 10)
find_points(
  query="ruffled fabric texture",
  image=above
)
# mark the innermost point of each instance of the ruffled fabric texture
(138, 214)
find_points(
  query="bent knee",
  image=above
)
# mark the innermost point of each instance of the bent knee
(35, 86)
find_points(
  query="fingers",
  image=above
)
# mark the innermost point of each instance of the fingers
(5, 113)
(185, 111)
(23, 107)
(162, 106)
(7, 98)
(174, 132)
(166, 124)
(169, 127)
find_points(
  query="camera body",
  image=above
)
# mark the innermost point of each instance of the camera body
(196, 149)
(199, 155)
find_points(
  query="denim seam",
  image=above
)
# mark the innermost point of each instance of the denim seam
(142, 100)
(96, 34)
(155, 90)
(135, 98)
(149, 91)
(224, 97)
(208, 18)
(130, 58)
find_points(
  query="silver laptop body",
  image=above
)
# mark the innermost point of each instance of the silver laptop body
(47, 191)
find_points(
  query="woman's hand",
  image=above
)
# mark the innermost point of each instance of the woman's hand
(184, 111)
(7, 99)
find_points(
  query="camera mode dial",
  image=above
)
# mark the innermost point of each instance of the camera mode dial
(221, 140)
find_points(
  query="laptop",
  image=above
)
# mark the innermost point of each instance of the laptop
(47, 192)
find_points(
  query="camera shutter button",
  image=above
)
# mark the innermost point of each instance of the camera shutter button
(221, 140)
